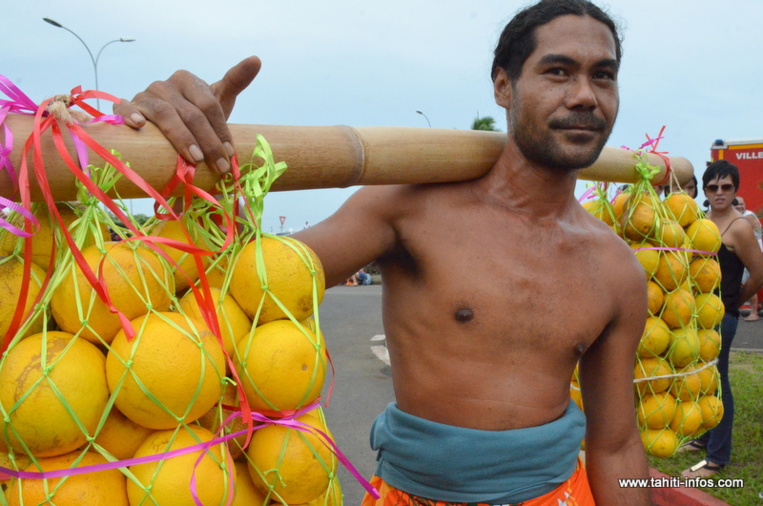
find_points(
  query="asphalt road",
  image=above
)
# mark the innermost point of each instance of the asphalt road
(351, 318)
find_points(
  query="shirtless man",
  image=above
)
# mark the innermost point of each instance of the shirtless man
(483, 412)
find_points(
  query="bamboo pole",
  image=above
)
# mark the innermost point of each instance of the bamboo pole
(317, 157)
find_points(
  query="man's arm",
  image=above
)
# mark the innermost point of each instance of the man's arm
(613, 444)
(359, 232)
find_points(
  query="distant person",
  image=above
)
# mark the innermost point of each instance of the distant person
(739, 250)
(690, 188)
(758, 230)
(363, 277)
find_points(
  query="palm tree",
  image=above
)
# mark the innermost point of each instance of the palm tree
(484, 123)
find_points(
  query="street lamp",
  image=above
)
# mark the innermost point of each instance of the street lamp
(425, 117)
(92, 59)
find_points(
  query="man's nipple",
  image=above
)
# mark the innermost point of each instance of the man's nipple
(464, 315)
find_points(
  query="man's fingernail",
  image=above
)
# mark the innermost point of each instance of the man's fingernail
(229, 148)
(196, 153)
(222, 165)
(137, 118)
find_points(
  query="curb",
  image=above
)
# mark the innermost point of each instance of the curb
(681, 496)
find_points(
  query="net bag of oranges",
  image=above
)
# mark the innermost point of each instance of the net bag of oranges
(176, 361)
(676, 385)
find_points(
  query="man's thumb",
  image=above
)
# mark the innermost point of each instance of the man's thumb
(235, 81)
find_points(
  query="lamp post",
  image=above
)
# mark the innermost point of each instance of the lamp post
(425, 117)
(92, 59)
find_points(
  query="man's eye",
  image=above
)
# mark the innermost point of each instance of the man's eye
(557, 72)
(610, 76)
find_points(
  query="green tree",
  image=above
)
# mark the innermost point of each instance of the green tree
(484, 123)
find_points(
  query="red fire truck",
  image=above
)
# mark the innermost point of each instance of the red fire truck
(747, 155)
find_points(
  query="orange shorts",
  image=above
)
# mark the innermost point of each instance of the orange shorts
(573, 492)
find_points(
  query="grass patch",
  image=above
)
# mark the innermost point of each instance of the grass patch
(746, 375)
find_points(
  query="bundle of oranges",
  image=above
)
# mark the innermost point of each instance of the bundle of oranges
(200, 366)
(676, 380)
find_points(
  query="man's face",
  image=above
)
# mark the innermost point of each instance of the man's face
(563, 106)
(740, 205)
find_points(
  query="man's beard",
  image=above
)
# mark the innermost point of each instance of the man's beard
(539, 147)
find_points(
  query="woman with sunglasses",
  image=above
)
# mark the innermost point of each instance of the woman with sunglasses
(739, 250)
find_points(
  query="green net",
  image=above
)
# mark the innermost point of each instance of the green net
(175, 361)
(676, 385)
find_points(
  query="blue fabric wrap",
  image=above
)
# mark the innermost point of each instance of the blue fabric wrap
(456, 464)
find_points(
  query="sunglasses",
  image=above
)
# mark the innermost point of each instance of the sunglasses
(712, 188)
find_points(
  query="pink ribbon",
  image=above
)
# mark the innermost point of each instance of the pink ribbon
(20, 103)
(289, 421)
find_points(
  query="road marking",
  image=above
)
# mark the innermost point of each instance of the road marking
(380, 350)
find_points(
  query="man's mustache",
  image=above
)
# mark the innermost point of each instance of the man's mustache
(585, 121)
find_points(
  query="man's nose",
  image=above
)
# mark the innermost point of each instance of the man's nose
(581, 94)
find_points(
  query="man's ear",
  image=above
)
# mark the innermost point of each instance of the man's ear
(502, 88)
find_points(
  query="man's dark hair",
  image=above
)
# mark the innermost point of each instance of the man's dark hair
(718, 170)
(518, 39)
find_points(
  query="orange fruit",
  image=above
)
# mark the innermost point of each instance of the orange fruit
(705, 273)
(98, 488)
(652, 368)
(684, 347)
(655, 339)
(678, 308)
(688, 387)
(213, 419)
(186, 263)
(46, 235)
(135, 278)
(51, 385)
(11, 283)
(234, 324)
(670, 234)
(648, 257)
(681, 208)
(288, 274)
(282, 367)
(712, 411)
(708, 378)
(15, 462)
(656, 411)
(687, 419)
(331, 497)
(619, 203)
(576, 395)
(672, 269)
(655, 296)
(216, 270)
(246, 493)
(601, 209)
(704, 236)
(168, 482)
(294, 464)
(175, 370)
(639, 220)
(710, 310)
(660, 443)
(120, 436)
(709, 344)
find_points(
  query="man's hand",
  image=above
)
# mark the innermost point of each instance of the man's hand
(191, 113)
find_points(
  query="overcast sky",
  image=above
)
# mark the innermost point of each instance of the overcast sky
(692, 65)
